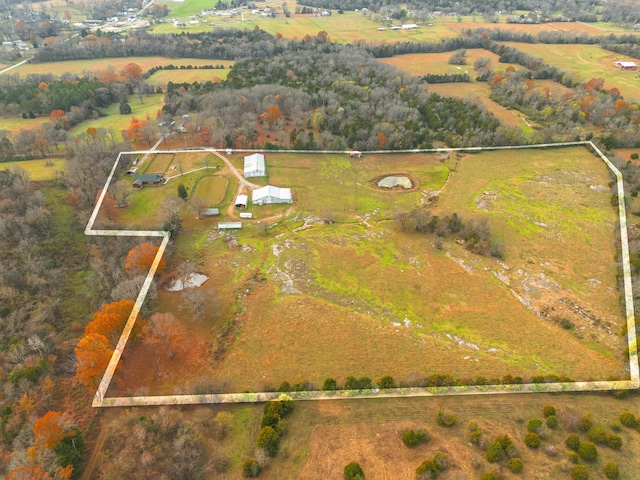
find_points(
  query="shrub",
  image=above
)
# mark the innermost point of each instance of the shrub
(515, 465)
(270, 420)
(284, 387)
(251, 468)
(573, 457)
(182, 191)
(534, 425)
(475, 437)
(492, 475)
(268, 440)
(611, 470)
(353, 471)
(495, 453)
(410, 438)
(615, 425)
(423, 435)
(573, 442)
(586, 422)
(279, 407)
(634, 156)
(329, 384)
(441, 461)
(587, 451)
(614, 441)
(386, 382)
(597, 434)
(548, 411)
(446, 419)
(532, 440)
(579, 472)
(473, 426)
(552, 422)
(427, 466)
(628, 419)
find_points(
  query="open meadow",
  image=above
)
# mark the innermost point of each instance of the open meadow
(39, 170)
(162, 77)
(146, 63)
(333, 286)
(590, 61)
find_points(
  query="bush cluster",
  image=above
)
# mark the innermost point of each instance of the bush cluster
(475, 434)
(446, 419)
(431, 468)
(353, 471)
(552, 422)
(251, 468)
(534, 425)
(500, 448)
(411, 438)
(273, 425)
(611, 470)
(588, 451)
(573, 442)
(548, 411)
(515, 464)
(532, 440)
(579, 472)
(628, 419)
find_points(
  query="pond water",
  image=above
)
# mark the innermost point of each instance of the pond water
(390, 182)
(193, 280)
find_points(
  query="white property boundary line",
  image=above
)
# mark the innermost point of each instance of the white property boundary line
(100, 400)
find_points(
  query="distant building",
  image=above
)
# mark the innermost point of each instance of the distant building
(271, 194)
(246, 215)
(210, 212)
(355, 154)
(242, 201)
(626, 65)
(409, 26)
(229, 225)
(148, 179)
(254, 165)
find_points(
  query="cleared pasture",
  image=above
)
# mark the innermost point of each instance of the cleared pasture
(162, 77)
(438, 63)
(357, 295)
(15, 124)
(160, 163)
(79, 66)
(590, 61)
(39, 170)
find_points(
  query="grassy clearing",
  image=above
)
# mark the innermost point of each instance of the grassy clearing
(14, 124)
(79, 66)
(478, 93)
(162, 77)
(374, 300)
(591, 61)
(213, 189)
(116, 123)
(419, 64)
(41, 169)
(159, 163)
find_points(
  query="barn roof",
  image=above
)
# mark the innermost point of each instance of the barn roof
(271, 191)
(254, 163)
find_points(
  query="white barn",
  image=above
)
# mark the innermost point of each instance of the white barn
(254, 165)
(271, 194)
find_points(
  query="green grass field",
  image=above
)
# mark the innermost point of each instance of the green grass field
(159, 163)
(39, 170)
(14, 124)
(386, 301)
(212, 189)
(591, 61)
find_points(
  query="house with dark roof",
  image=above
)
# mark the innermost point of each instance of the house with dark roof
(146, 179)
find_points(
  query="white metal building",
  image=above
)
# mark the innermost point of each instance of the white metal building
(242, 201)
(271, 194)
(254, 165)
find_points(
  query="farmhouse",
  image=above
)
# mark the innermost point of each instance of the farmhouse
(626, 65)
(242, 201)
(271, 194)
(146, 179)
(254, 165)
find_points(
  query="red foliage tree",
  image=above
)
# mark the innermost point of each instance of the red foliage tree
(140, 258)
(48, 430)
(110, 320)
(92, 356)
(131, 72)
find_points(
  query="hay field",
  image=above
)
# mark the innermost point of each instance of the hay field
(159, 163)
(361, 297)
(591, 61)
(15, 124)
(438, 63)
(162, 77)
(39, 170)
(78, 66)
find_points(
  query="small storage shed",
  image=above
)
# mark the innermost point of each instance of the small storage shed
(246, 215)
(242, 201)
(271, 194)
(355, 154)
(211, 212)
(229, 225)
(254, 165)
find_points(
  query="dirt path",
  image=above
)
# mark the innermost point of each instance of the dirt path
(235, 171)
(90, 466)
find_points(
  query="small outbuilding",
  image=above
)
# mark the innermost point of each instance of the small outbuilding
(254, 165)
(210, 212)
(355, 154)
(229, 225)
(246, 215)
(148, 179)
(242, 201)
(270, 194)
(626, 65)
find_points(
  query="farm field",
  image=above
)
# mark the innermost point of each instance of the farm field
(15, 124)
(419, 64)
(591, 61)
(162, 77)
(78, 66)
(39, 170)
(365, 298)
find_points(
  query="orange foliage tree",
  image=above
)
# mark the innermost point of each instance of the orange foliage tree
(48, 430)
(140, 258)
(35, 472)
(92, 357)
(131, 71)
(110, 320)
(134, 133)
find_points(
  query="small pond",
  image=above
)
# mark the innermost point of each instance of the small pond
(395, 181)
